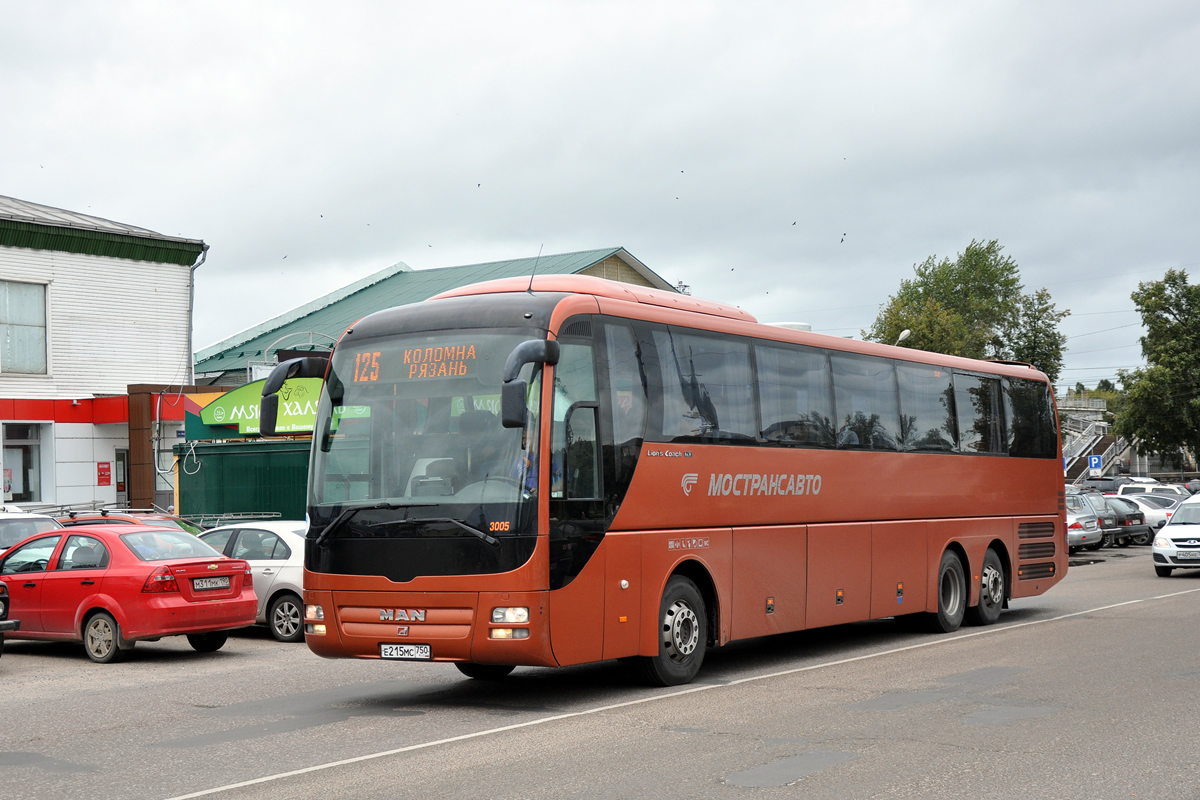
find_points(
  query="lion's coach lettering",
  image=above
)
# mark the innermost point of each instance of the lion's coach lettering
(744, 484)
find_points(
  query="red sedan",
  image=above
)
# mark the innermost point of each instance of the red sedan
(110, 586)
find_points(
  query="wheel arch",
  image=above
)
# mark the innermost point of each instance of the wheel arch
(1006, 559)
(94, 607)
(699, 574)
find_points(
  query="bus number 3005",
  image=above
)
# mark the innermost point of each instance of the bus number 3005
(498, 526)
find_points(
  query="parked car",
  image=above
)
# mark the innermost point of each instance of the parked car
(1131, 519)
(1107, 517)
(6, 625)
(1177, 544)
(18, 525)
(1083, 529)
(1153, 488)
(275, 552)
(1156, 512)
(110, 586)
(128, 517)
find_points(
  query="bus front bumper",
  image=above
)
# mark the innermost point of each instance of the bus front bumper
(455, 626)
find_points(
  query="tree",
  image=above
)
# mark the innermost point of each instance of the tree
(1036, 338)
(1105, 385)
(1162, 402)
(973, 306)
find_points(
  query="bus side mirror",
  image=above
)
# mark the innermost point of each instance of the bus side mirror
(268, 409)
(512, 404)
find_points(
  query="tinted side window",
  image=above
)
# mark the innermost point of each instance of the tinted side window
(864, 393)
(1033, 429)
(980, 419)
(707, 388)
(795, 395)
(926, 407)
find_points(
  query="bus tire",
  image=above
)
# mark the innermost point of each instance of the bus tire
(484, 672)
(992, 585)
(951, 594)
(683, 636)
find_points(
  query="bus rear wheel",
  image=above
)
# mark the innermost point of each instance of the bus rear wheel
(991, 591)
(951, 594)
(484, 672)
(683, 636)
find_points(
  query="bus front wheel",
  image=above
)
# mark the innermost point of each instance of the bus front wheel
(991, 591)
(951, 594)
(683, 636)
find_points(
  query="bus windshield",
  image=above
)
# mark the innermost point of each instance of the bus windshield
(408, 430)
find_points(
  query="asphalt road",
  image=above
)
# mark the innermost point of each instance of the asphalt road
(1087, 692)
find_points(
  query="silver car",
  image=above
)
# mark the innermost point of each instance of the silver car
(275, 551)
(1177, 544)
(1083, 528)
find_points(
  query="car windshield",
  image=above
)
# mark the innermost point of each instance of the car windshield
(14, 530)
(1158, 500)
(162, 545)
(1099, 507)
(1188, 514)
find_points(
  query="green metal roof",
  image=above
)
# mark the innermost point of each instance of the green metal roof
(39, 227)
(398, 285)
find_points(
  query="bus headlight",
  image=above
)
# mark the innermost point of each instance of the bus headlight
(517, 615)
(314, 612)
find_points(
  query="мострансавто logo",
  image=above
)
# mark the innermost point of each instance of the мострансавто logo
(753, 484)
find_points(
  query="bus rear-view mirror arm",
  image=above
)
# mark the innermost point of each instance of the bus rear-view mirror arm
(306, 367)
(513, 393)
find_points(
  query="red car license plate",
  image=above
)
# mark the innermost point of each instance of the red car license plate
(200, 584)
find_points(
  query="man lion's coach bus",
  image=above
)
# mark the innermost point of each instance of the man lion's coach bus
(573, 470)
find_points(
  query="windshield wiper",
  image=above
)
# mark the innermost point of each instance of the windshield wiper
(347, 513)
(493, 541)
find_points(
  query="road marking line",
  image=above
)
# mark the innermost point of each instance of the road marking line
(679, 693)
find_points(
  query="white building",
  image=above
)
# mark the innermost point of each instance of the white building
(95, 325)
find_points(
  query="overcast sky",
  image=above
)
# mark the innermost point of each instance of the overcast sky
(728, 146)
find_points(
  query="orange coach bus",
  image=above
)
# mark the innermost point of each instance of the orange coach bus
(570, 470)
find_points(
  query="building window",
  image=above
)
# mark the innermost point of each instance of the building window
(22, 328)
(22, 463)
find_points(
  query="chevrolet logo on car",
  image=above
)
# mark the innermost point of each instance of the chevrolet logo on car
(402, 614)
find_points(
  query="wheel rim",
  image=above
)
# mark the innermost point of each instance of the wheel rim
(951, 592)
(286, 618)
(992, 586)
(100, 639)
(681, 631)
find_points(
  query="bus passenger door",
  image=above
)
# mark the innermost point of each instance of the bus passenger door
(770, 567)
(899, 561)
(839, 574)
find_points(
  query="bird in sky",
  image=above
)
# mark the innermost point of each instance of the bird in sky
(793, 223)
(282, 258)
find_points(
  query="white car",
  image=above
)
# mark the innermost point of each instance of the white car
(1153, 488)
(275, 551)
(1177, 544)
(1156, 515)
(16, 525)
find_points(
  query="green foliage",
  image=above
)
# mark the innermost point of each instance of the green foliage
(1161, 411)
(1105, 386)
(973, 306)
